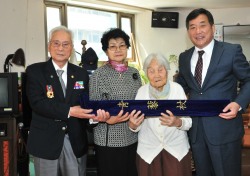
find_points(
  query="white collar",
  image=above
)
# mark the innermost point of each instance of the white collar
(64, 68)
(208, 48)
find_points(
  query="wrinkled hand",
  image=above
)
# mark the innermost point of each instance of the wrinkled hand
(135, 120)
(102, 116)
(118, 119)
(78, 112)
(170, 120)
(230, 111)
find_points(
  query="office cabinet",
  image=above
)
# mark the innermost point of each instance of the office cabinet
(8, 155)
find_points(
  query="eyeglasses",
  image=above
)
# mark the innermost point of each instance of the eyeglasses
(114, 48)
(57, 44)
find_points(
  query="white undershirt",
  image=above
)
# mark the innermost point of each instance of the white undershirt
(64, 75)
(206, 58)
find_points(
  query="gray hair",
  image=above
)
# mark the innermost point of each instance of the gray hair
(61, 28)
(159, 58)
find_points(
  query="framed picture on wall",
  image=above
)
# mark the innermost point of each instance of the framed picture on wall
(218, 34)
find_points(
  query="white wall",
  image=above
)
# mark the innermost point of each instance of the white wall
(174, 41)
(22, 26)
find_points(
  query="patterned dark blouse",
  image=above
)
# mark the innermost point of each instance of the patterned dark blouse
(108, 84)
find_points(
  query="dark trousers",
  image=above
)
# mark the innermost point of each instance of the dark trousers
(22, 155)
(116, 161)
(216, 160)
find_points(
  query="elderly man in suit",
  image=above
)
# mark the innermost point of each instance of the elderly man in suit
(215, 141)
(58, 138)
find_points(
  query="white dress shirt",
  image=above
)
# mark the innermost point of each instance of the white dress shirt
(64, 75)
(206, 58)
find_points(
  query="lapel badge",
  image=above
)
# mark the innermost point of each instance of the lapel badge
(51, 76)
(79, 85)
(72, 76)
(50, 92)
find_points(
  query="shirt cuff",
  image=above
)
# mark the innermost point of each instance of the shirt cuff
(136, 130)
(186, 124)
(91, 121)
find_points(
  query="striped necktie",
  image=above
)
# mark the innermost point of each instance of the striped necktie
(59, 73)
(198, 68)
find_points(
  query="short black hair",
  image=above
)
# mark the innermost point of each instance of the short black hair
(196, 12)
(114, 33)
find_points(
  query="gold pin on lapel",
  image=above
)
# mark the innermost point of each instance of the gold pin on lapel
(72, 76)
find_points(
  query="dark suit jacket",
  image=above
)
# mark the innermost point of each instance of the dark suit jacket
(50, 115)
(228, 66)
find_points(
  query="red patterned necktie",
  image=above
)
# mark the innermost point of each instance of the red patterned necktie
(198, 68)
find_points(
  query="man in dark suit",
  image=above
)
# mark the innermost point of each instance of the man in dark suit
(215, 141)
(57, 138)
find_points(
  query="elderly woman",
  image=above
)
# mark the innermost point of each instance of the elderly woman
(115, 144)
(163, 147)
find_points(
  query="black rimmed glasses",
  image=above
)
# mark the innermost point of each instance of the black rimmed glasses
(57, 44)
(114, 47)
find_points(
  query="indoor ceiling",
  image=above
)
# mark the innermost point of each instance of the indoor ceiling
(166, 4)
(160, 4)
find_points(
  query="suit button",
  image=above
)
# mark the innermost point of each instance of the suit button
(63, 128)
